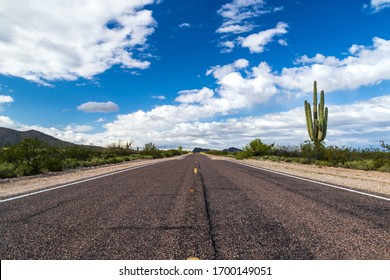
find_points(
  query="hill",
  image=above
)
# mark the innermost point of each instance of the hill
(199, 150)
(232, 150)
(9, 137)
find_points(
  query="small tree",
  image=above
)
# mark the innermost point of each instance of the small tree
(28, 156)
(385, 146)
(150, 149)
(257, 148)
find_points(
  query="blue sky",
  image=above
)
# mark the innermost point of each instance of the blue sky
(195, 73)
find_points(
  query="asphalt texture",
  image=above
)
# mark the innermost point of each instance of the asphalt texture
(223, 211)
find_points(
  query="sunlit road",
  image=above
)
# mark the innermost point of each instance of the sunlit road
(220, 210)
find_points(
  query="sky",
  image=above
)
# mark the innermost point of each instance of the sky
(195, 73)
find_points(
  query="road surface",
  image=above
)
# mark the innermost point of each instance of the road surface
(195, 207)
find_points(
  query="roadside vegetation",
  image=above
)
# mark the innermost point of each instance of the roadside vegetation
(33, 156)
(317, 153)
(314, 151)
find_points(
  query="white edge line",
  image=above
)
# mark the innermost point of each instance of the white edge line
(313, 181)
(78, 182)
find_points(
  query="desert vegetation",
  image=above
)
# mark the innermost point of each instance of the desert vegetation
(377, 158)
(314, 151)
(33, 156)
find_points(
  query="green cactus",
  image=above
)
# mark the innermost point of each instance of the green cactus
(317, 125)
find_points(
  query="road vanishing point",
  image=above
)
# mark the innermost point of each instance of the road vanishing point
(195, 207)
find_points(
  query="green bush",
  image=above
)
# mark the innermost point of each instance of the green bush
(70, 163)
(54, 164)
(385, 168)
(7, 170)
(257, 148)
(360, 164)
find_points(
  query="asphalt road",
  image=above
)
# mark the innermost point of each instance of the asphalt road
(224, 211)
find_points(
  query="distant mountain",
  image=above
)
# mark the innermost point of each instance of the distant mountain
(199, 150)
(9, 137)
(232, 150)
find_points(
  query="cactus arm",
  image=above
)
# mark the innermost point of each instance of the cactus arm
(321, 108)
(309, 122)
(325, 124)
(315, 102)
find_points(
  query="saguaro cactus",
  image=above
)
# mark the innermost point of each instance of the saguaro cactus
(317, 124)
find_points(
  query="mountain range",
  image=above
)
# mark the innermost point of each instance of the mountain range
(9, 137)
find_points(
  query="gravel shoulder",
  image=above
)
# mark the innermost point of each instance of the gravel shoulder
(370, 181)
(15, 186)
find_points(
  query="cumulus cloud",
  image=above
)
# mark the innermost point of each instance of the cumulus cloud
(345, 127)
(240, 86)
(256, 42)
(45, 41)
(195, 96)
(98, 107)
(170, 126)
(378, 5)
(6, 122)
(366, 65)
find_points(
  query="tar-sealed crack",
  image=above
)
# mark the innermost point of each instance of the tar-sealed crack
(207, 209)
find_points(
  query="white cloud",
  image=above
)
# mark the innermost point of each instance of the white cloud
(256, 42)
(235, 28)
(237, 18)
(346, 127)
(171, 126)
(195, 96)
(366, 65)
(45, 41)
(98, 107)
(227, 46)
(159, 97)
(237, 13)
(378, 5)
(184, 25)
(78, 128)
(6, 99)
(6, 122)
(238, 86)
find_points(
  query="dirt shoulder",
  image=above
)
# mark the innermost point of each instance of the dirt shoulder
(370, 181)
(15, 186)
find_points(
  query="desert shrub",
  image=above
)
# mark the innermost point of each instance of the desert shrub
(385, 168)
(257, 148)
(70, 163)
(79, 152)
(7, 170)
(367, 164)
(54, 164)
